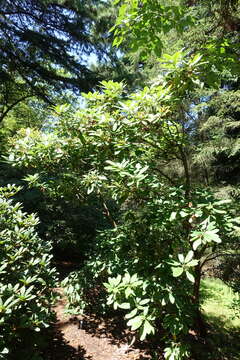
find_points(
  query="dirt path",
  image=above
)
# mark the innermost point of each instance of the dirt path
(75, 338)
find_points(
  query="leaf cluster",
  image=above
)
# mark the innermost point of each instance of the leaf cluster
(26, 275)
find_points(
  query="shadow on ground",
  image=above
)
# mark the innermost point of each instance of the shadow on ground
(221, 343)
(59, 349)
(113, 328)
(224, 341)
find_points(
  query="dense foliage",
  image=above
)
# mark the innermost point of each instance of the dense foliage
(162, 235)
(26, 278)
(142, 184)
(219, 133)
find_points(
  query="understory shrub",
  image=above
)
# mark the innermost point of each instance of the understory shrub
(150, 264)
(118, 149)
(26, 277)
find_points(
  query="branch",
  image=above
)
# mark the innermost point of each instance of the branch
(36, 90)
(166, 176)
(2, 116)
(107, 212)
(214, 256)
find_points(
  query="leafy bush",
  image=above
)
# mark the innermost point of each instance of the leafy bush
(26, 275)
(151, 263)
(117, 148)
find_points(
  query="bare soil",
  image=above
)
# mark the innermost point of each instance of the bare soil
(91, 338)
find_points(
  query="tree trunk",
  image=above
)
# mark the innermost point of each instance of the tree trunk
(186, 171)
(199, 324)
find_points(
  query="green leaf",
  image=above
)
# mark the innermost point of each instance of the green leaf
(183, 213)
(181, 258)
(125, 306)
(126, 278)
(134, 278)
(146, 330)
(144, 301)
(128, 292)
(190, 276)
(135, 323)
(212, 236)
(196, 244)
(107, 286)
(189, 256)
(145, 310)
(173, 216)
(193, 263)
(114, 282)
(116, 305)
(217, 239)
(222, 202)
(163, 302)
(171, 298)
(4, 351)
(131, 314)
(177, 271)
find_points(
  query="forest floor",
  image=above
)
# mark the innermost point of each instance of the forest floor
(90, 338)
(98, 338)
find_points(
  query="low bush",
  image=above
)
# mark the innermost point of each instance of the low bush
(150, 265)
(26, 277)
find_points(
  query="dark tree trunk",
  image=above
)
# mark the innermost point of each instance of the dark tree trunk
(199, 324)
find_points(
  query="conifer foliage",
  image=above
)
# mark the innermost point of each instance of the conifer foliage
(47, 42)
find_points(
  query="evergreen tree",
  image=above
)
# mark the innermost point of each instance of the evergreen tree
(48, 42)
